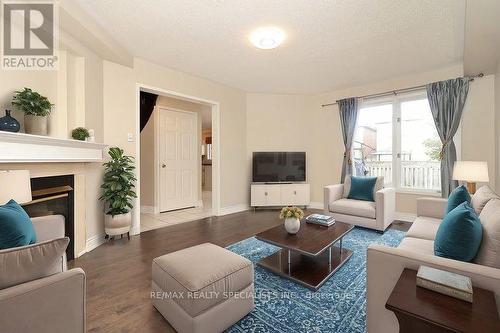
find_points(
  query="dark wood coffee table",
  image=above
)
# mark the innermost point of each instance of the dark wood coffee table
(309, 257)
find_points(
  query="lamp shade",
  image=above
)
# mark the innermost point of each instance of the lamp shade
(471, 171)
(15, 184)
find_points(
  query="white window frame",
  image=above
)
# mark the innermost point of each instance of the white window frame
(396, 100)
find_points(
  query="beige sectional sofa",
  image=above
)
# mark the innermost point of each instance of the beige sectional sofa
(385, 264)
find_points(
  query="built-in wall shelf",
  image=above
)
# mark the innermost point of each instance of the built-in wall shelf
(27, 148)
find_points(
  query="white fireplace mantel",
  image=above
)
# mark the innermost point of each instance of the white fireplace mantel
(27, 148)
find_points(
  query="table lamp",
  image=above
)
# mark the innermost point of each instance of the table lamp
(15, 184)
(471, 172)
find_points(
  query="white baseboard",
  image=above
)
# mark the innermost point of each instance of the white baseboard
(147, 210)
(233, 209)
(93, 242)
(316, 205)
(405, 217)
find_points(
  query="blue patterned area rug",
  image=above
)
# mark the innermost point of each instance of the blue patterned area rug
(285, 306)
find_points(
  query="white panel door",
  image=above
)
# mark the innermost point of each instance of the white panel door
(178, 159)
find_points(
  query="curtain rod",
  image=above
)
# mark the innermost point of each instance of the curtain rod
(397, 91)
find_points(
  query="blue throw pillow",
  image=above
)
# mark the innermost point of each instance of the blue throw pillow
(362, 188)
(16, 228)
(459, 235)
(457, 196)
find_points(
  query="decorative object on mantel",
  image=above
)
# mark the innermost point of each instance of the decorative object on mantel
(36, 108)
(80, 133)
(118, 192)
(292, 216)
(471, 172)
(446, 283)
(9, 123)
(91, 137)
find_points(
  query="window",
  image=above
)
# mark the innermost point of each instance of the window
(396, 138)
(372, 146)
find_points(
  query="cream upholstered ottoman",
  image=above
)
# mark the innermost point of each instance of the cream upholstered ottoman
(204, 288)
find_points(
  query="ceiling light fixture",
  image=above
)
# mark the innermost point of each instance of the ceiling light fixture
(267, 37)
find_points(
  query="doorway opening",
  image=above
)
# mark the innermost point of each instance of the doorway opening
(178, 169)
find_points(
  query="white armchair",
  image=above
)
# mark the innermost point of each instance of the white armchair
(376, 215)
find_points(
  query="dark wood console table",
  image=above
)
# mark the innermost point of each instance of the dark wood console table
(422, 310)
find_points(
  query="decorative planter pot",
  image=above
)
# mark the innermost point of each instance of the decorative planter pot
(292, 225)
(118, 224)
(35, 124)
(9, 123)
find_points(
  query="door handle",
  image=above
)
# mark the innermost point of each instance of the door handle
(163, 165)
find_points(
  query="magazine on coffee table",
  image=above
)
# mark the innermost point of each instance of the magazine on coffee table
(324, 220)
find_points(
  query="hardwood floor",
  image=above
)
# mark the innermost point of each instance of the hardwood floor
(119, 272)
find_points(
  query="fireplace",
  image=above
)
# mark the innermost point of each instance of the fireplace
(54, 195)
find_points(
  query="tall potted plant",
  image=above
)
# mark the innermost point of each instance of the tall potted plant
(118, 191)
(36, 108)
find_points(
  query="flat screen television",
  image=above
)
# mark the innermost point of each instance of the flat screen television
(271, 167)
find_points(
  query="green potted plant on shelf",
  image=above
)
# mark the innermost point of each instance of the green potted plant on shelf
(80, 133)
(118, 192)
(36, 108)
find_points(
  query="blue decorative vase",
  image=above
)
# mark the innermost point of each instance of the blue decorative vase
(9, 123)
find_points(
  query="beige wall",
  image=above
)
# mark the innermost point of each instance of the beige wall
(119, 103)
(478, 125)
(284, 123)
(497, 124)
(296, 122)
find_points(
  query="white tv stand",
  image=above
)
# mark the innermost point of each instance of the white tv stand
(279, 194)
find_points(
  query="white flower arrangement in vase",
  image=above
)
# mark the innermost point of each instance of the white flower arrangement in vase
(292, 216)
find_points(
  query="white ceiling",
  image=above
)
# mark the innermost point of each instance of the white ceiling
(330, 44)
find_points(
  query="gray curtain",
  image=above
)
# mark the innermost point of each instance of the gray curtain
(348, 109)
(447, 99)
